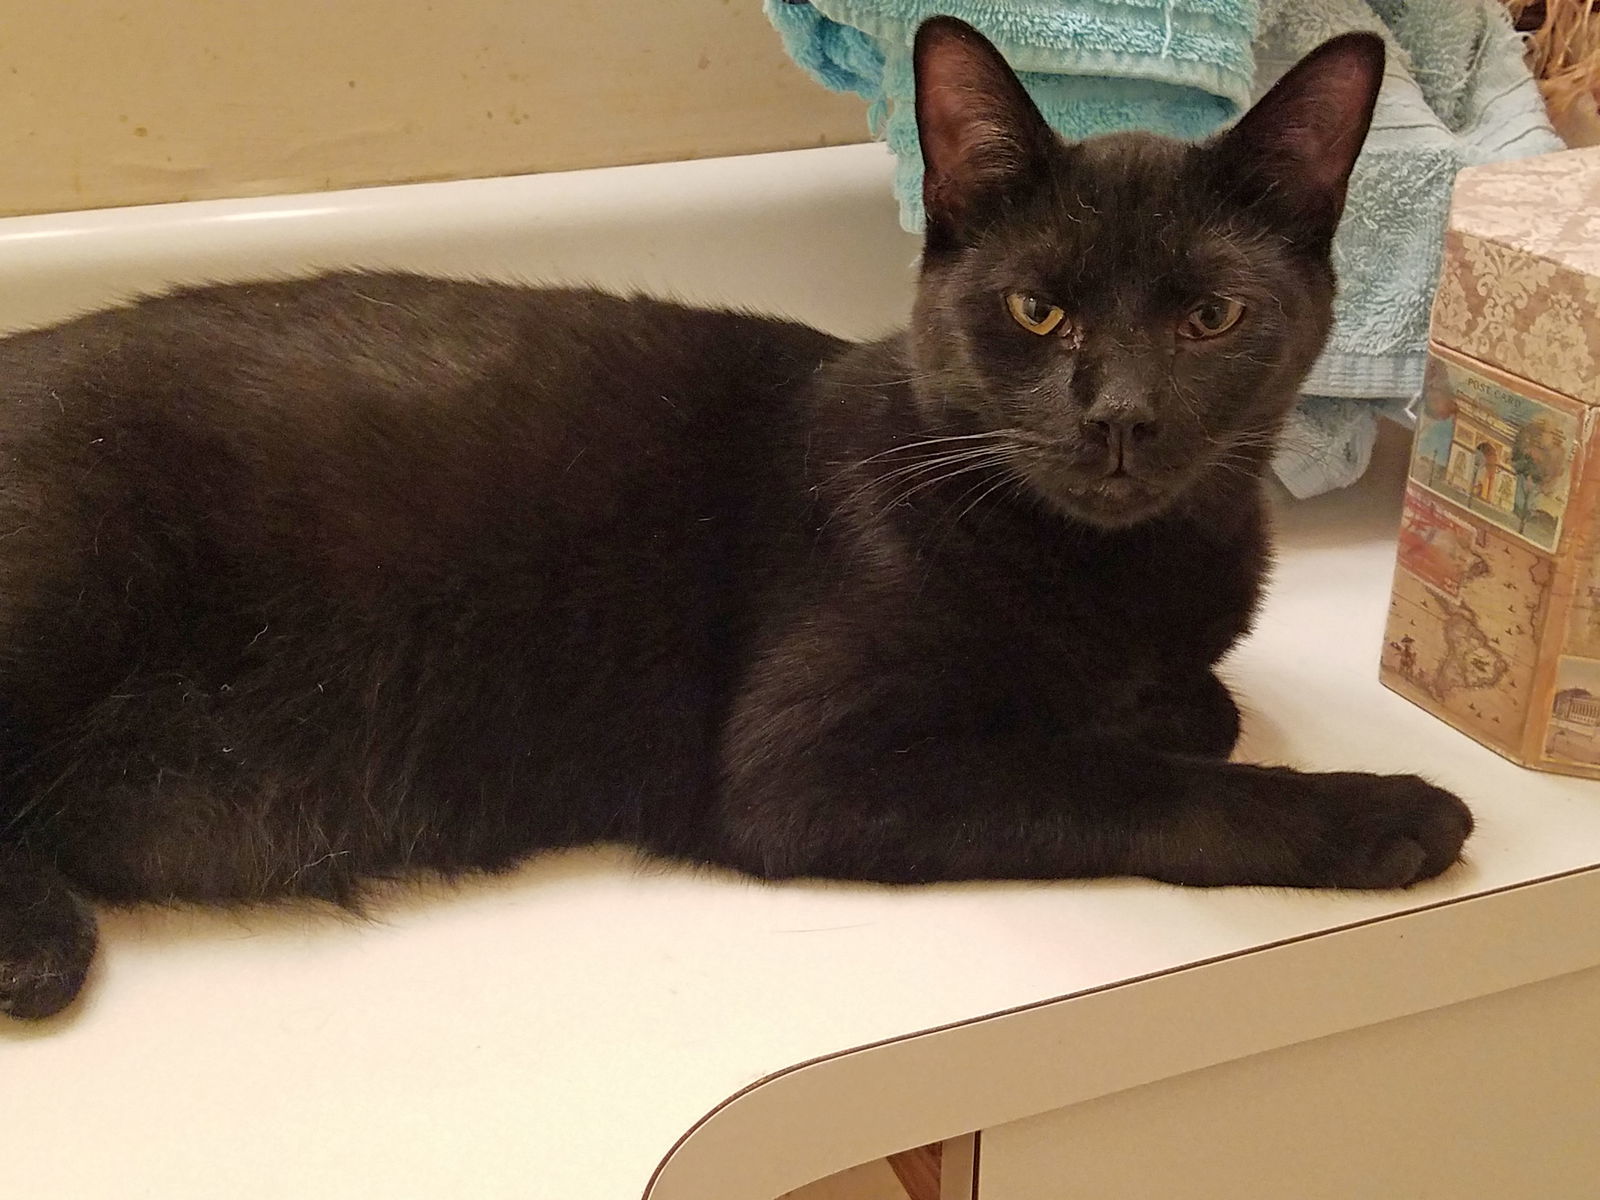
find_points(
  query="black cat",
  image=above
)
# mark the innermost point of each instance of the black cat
(307, 583)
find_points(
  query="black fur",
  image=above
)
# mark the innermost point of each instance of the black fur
(307, 583)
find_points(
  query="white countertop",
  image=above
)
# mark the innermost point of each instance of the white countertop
(555, 1032)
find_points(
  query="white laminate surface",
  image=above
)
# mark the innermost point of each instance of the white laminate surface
(556, 1032)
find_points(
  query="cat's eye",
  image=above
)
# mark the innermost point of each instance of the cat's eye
(1212, 316)
(1033, 314)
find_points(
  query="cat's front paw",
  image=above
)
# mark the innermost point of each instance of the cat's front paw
(1210, 724)
(1381, 831)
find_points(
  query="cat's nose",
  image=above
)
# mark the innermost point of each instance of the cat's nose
(1119, 427)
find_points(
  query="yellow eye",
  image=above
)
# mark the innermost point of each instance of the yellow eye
(1033, 314)
(1212, 316)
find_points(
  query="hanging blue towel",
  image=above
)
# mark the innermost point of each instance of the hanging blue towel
(1456, 93)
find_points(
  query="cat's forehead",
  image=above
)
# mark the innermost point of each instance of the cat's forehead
(1127, 213)
(1122, 174)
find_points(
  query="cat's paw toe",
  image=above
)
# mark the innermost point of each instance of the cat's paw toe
(1394, 831)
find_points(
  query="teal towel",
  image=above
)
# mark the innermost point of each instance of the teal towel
(1181, 67)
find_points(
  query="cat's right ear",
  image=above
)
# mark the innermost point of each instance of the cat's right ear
(980, 132)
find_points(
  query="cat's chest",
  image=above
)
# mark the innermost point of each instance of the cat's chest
(1109, 607)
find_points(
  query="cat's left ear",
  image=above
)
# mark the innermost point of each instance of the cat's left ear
(1296, 147)
(981, 135)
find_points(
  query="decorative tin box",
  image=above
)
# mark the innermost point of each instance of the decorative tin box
(1494, 625)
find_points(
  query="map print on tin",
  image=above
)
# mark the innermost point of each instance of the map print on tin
(1500, 456)
(1583, 626)
(1435, 545)
(1464, 629)
(1574, 733)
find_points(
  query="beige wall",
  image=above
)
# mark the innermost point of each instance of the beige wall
(106, 103)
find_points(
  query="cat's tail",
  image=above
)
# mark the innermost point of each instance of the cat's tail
(47, 931)
(47, 936)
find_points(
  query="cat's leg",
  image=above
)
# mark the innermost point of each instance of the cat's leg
(47, 936)
(1034, 804)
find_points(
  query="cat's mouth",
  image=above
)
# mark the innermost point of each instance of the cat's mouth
(1120, 499)
(1111, 500)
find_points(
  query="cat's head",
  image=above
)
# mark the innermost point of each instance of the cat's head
(1136, 312)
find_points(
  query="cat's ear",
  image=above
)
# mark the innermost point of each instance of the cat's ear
(1297, 146)
(980, 132)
